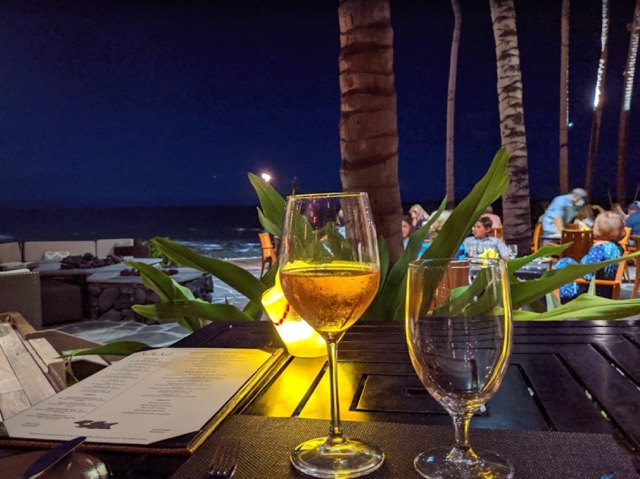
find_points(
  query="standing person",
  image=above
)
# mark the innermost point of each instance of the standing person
(481, 241)
(418, 216)
(633, 220)
(608, 229)
(495, 219)
(562, 210)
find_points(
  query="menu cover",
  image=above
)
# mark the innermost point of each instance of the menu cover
(165, 401)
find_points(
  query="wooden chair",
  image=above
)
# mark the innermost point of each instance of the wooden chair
(582, 241)
(498, 232)
(614, 283)
(624, 242)
(269, 255)
(536, 238)
(636, 283)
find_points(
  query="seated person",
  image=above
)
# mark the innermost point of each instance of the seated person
(495, 219)
(418, 216)
(407, 229)
(562, 209)
(608, 229)
(633, 220)
(481, 241)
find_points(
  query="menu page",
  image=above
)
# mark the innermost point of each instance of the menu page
(144, 398)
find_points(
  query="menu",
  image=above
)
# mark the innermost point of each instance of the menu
(145, 398)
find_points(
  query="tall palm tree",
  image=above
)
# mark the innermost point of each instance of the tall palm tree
(368, 118)
(564, 97)
(451, 104)
(598, 99)
(623, 130)
(516, 209)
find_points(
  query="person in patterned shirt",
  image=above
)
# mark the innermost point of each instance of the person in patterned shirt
(608, 229)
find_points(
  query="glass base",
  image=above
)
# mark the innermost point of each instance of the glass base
(349, 458)
(433, 464)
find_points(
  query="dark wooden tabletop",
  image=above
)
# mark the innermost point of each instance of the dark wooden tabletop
(573, 376)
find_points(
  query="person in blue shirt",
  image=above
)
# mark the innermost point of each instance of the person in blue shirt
(561, 210)
(481, 241)
(608, 229)
(633, 220)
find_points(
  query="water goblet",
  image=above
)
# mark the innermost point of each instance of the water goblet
(458, 326)
(329, 270)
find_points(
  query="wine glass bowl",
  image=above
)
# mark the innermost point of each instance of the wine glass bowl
(330, 272)
(458, 327)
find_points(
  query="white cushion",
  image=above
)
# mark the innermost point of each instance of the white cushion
(57, 255)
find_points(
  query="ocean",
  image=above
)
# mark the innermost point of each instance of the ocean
(217, 231)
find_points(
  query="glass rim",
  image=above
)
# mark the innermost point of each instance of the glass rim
(335, 194)
(456, 263)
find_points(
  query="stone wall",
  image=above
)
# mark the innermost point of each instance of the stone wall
(113, 300)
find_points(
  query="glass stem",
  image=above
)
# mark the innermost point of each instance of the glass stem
(335, 431)
(461, 425)
(462, 452)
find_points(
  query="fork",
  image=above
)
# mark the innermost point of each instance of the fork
(224, 460)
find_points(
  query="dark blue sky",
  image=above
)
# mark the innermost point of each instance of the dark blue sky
(172, 103)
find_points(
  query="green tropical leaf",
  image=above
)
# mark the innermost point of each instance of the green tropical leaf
(236, 277)
(163, 285)
(490, 187)
(585, 306)
(197, 308)
(272, 205)
(524, 292)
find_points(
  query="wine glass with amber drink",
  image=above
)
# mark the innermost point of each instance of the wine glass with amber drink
(329, 269)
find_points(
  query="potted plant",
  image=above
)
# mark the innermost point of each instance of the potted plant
(178, 303)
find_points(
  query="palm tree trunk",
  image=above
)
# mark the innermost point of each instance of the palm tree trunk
(516, 209)
(564, 97)
(598, 97)
(623, 130)
(368, 118)
(451, 104)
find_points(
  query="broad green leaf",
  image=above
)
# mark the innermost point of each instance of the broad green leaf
(524, 292)
(163, 285)
(457, 227)
(271, 202)
(585, 306)
(236, 277)
(197, 308)
(490, 187)
(392, 293)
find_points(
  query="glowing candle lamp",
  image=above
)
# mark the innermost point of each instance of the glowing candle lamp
(300, 339)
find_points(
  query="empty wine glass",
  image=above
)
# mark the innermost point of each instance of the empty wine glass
(330, 272)
(458, 326)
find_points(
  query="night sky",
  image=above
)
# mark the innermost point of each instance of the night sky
(172, 103)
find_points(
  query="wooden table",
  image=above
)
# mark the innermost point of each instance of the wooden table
(25, 375)
(572, 376)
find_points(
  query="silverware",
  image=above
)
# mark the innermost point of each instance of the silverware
(224, 461)
(52, 457)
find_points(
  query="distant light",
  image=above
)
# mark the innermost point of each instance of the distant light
(266, 177)
(570, 124)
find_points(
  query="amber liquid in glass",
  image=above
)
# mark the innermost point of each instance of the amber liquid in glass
(330, 297)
